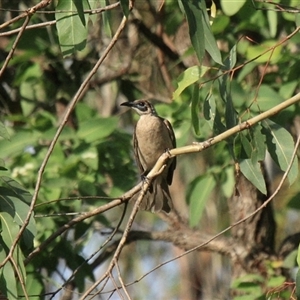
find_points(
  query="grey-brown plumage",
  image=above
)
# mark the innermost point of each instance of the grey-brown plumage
(153, 136)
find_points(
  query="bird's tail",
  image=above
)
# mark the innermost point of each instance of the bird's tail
(158, 197)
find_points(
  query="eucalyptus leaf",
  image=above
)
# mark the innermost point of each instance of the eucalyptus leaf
(201, 189)
(188, 77)
(298, 284)
(281, 145)
(194, 17)
(195, 110)
(253, 173)
(96, 129)
(3, 132)
(210, 43)
(8, 283)
(71, 24)
(230, 7)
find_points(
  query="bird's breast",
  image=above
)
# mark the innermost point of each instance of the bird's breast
(153, 138)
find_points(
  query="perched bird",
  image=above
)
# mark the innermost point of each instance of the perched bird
(153, 136)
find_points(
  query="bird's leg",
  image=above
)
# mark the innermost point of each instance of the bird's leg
(168, 151)
(145, 179)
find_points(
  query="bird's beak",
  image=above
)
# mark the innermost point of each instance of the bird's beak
(129, 104)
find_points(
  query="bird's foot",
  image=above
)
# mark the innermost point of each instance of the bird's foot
(146, 180)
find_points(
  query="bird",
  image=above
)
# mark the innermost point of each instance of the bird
(153, 135)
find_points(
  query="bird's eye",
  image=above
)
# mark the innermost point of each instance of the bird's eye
(142, 104)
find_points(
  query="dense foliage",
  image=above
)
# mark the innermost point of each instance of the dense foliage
(224, 73)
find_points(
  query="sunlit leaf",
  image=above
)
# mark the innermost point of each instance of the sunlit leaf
(3, 132)
(19, 142)
(230, 7)
(201, 189)
(273, 22)
(72, 25)
(97, 129)
(188, 77)
(257, 52)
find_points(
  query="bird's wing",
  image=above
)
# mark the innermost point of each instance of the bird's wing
(137, 154)
(173, 164)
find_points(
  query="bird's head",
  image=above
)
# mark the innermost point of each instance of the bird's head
(142, 107)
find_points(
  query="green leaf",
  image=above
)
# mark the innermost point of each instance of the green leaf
(18, 210)
(188, 77)
(230, 7)
(230, 61)
(298, 284)
(201, 189)
(94, 4)
(253, 173)
(297, 19)
(298, 256)
(280, 145)
(273, 22)
(267, 99)
(18, 190)
(125, 7)
(194, 16)
(97, 129)
(3, 132)
(210, 43)
(257, 52)
(9, 230)
(19, 142)
(72, 25)
(209, 109)
(34, 285)
(259, 142)
(195, 109)
(246, 144)
(8, 284)
(294, 202)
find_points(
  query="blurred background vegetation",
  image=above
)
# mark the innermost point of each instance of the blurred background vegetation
(202, 82)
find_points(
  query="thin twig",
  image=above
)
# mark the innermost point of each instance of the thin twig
(30, 11)
(111, 276)
(13, 47)
(121, 281)
(53, 22)
(20, 277)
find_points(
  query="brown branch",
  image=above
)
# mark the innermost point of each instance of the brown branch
(53, 22)
(184, 238)
(28, 12)
(172, 218)
(13, 47)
